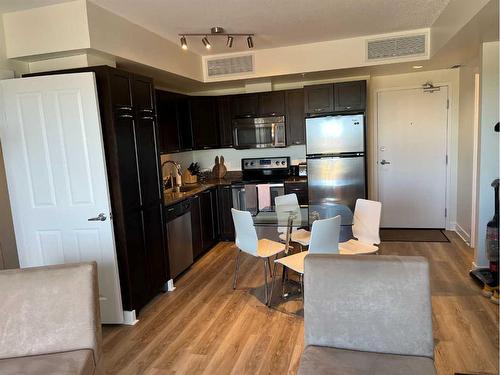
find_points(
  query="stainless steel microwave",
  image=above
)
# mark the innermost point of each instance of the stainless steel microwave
(259, 132)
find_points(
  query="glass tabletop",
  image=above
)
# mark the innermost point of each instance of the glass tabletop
(301, 216)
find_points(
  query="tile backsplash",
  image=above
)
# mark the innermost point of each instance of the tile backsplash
(232, 157)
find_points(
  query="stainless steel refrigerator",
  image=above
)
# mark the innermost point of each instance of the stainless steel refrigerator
(335, 151)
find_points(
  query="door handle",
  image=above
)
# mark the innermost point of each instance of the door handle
(384, 162)
(100, 217)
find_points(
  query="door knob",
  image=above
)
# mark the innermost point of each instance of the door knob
(100, 217)
(384, 162)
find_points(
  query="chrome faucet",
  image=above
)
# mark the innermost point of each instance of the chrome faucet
(177, 166)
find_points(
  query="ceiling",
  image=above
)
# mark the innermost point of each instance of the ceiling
(276, 23)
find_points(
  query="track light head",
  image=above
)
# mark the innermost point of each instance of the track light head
(184, 45)
(229, 42)
(250, 41)
(206, 43)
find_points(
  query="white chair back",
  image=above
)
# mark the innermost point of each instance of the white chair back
(325, 236)
(366, 223)
(246, 236)
(283, 204)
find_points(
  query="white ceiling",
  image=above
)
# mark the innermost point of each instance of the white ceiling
(276, 23)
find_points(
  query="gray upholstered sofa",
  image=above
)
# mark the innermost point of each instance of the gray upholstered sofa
(49, 320)
(367, 315)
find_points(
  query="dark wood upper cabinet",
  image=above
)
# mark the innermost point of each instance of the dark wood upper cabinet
(120, 90)
(143, 94)
(224, 119)
(245, 105)
(318, 99)
(350, 95)
(203, 122)
(295, 117)
(166, 109)
(272, 103)
(184, 123)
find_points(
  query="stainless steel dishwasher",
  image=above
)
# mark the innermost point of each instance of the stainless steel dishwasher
(180, 243)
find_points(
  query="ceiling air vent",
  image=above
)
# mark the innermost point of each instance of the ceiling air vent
(396, 47)
(229, 65)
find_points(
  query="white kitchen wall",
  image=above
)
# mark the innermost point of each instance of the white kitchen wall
(466, 148)
(489, 158)
(232, 157)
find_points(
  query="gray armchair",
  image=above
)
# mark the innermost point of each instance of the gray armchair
(367, 315)
(50, 320)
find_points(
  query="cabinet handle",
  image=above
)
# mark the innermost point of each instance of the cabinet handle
(125, 108)
(126, 116)
(173, 151)
(170, 209)
(317, 109)
(146, 110)
(296, 143)
(348, 107)
(206, 147)
(147, 118)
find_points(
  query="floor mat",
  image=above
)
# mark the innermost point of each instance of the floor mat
(412, 235)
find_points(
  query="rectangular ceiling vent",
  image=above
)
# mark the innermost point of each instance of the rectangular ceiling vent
(229, 65)
(396, 47)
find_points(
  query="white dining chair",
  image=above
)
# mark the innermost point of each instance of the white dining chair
(283, 203)
(365, 229)
(324, 240)
(246, 240)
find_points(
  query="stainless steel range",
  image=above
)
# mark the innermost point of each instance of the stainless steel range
(262, 182)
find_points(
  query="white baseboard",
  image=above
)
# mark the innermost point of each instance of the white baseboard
(170, 285)
(129, 318)
(462, 234)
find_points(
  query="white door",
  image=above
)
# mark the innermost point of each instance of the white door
(56, 175)
(412, 127)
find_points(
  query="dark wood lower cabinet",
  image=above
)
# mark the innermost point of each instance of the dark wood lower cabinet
(225, 216)
(209, 218)
(196, 226)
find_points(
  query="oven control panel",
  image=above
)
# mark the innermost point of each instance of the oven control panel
(265, 163)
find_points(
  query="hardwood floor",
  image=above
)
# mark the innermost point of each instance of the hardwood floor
(206, 327)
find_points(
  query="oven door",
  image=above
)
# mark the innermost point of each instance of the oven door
(254, 135)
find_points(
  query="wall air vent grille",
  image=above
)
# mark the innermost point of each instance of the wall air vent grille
(396, 47)
(229, 65)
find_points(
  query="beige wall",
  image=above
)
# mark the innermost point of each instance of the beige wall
(466, 148)
(489, 145)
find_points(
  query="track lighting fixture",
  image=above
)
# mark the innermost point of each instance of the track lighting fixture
(217, 31)
(184, 43)
(206, 43)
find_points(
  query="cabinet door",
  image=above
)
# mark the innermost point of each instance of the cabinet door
(224, 120)
(121, 92)
(136, 259)
(143, 94)
(127, 161)
(245, 105)
(196, 225)
(350, 95)
(215, 214)
(203, 122)
(318, 99)
(166, 109)
(298, 188)
(226, 219)
(155, 247)
(295, 117)
(184, 123)
(148, 160)
(272, 103)
(207, 220)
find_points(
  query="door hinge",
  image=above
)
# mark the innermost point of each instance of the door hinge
(446, 159)
(445, 212)
(447, 103)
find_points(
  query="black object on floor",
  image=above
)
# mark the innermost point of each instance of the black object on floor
(412, 235)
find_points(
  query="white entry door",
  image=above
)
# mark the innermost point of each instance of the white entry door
(412, 127)
(56, 175)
